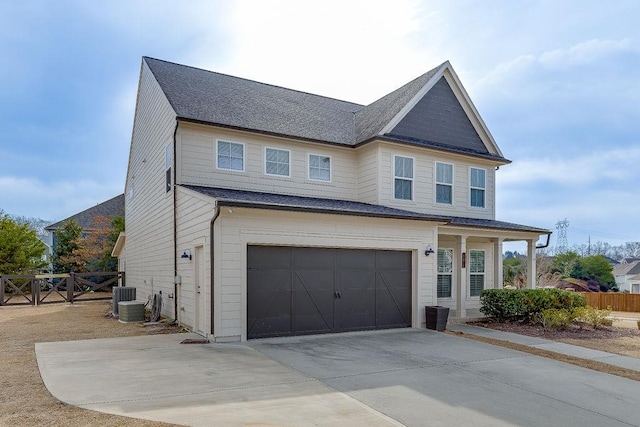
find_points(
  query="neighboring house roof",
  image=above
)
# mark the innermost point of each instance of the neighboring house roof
(626, 269)
(575, 284)
(630, 260)
(412, 114)
(252, 199)
(109, 209)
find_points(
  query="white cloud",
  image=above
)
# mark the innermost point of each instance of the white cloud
(593, 167)
(347, 50)
(583, 53)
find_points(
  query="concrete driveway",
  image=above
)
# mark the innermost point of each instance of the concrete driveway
(410, 377)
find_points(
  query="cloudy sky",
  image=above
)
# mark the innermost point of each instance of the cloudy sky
(558, 84)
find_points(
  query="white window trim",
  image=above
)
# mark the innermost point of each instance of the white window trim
(244, 156)
(483, 274)
(309, 167)
(265, 162)
(478, 188)
(453, 288)
(413, 173)
(453, 180)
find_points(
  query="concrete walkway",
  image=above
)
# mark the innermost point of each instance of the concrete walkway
(558, 347)
(396, 377)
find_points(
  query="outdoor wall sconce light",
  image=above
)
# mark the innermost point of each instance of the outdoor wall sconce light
(186, 255)
(429, 251)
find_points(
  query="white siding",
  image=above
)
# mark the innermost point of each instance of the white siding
(368, 173)
(424, 182)
(241, 227)
(148, 207)
(197, 164)
(194, 217)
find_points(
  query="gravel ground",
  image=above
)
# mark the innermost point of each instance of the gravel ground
(24, 400)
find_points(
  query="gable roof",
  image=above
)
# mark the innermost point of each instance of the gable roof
(207, 97)
(109, 208)
(254, 199)
(625, 269)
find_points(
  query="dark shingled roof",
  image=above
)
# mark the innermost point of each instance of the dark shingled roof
(241, 198)
(493, 224)
(252, 199)
(110, 208)
(207, 97)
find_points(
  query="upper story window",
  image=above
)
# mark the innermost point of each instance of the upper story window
(444, 183)
(478, 186)
(445, 272)
(167, 166)
(277, 162)
(230, 156)
(403, 178)
(319, 167)
(476, 270)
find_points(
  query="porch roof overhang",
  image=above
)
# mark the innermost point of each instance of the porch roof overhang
(271, 201)
(447, 224)
(508, 231)
(119, 245)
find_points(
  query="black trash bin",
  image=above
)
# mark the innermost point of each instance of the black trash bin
(437, 317)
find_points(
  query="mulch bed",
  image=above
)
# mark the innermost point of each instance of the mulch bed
(572, 332)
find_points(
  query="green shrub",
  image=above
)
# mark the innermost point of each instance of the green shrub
(526, 304)
(591, 316)
(553, 318)
(501, 304)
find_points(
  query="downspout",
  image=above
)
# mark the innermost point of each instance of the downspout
(546, 244)
(175, 223)
(216, 213)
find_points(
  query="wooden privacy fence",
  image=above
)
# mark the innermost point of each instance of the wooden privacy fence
(616, 301)
(53, 288)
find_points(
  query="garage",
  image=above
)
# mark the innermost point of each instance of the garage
(298, 291)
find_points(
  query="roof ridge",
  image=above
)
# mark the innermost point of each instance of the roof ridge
(256, 81)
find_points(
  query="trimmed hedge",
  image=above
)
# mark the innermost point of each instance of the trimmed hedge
(525, 304)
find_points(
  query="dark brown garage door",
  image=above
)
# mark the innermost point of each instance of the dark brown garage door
(296, 291)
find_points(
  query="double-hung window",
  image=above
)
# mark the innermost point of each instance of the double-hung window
(319, 167)
(230, 156)
(277, 162)
(444, 183)
(445, 272)
(478, 186)
(476, 270)
(167, 166)
(403, 178)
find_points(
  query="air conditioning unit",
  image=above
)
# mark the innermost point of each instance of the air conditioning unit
(131, 311)
(122, 293)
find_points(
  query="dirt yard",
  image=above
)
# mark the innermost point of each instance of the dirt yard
(24, 400)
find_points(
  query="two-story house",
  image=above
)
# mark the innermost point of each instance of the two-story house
(257, 211)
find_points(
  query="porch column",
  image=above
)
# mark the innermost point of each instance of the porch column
(461, 291)
(497, 260)
(531, 264)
